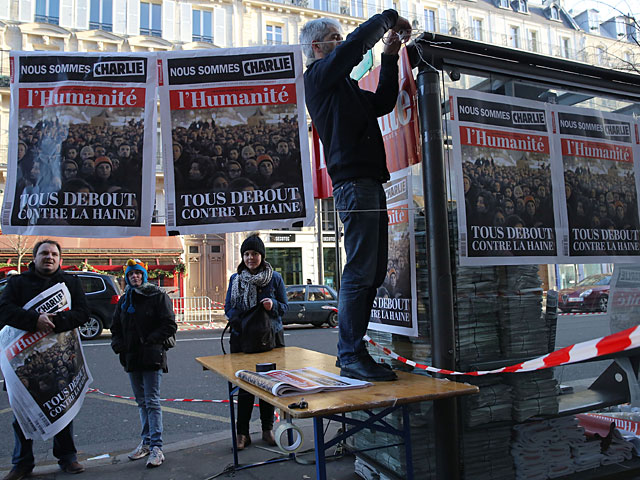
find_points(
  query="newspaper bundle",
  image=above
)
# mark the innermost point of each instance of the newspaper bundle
(46, 374)
(284, 383)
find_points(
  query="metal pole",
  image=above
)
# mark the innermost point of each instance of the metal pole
(440, 280)
(320, 245)
(336, 219)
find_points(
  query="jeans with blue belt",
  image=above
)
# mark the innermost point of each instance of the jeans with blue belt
(362, 206)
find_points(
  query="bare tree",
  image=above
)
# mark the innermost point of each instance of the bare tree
(20, 245)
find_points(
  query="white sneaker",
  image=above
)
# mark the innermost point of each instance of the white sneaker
(156, 457)
(139, 452)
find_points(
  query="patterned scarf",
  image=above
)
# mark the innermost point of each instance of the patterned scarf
(244, 289)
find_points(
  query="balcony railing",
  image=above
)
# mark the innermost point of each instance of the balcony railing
(202, 38)
(47, 19)
(105, 27)
(152, 32)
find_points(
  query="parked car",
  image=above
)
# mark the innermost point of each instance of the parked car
(589, 295)
(306, 304)
(103, 292)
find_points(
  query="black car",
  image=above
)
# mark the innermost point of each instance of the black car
(306, 304)
(103, 292)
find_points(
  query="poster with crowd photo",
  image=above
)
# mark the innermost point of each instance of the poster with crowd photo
(46, 374)
(236, 154)
(502, 155)
(598, 155)
(79, 153)
(395, 309)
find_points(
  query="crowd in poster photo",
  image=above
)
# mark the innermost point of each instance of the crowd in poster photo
(210, 157)
(505, 195)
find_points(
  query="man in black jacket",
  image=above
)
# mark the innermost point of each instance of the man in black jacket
(346, 119)
(44, 272)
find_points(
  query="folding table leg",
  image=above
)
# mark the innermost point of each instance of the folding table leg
(321, 461)
(408, 451)
(232, 416)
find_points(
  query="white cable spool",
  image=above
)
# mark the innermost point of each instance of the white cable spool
(283, 429)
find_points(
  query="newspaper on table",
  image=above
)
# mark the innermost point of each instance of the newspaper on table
(284, 383)
(82, 133)
(235, 150)
(46, 374)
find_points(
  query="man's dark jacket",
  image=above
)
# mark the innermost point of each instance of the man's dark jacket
(344, 114)
(22, 288)
(152, 323)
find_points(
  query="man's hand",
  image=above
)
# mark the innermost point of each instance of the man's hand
(401, 32)
(267, 303)
(44, 322)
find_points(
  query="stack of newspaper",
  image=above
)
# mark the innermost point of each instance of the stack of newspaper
(492, 404)
(477, 309)
(523, 330)
(534, 393)
(486, 453)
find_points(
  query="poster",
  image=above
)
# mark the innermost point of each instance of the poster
(46, 375)
(235, 149)
(598, 155)
(502, 155)
(395, 309)
(79, 153)
(623, 307)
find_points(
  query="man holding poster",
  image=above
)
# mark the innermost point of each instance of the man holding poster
(44, 272)
(345, 117)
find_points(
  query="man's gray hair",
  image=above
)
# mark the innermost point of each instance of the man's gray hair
(316, 30)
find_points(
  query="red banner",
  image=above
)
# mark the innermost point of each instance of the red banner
(42, 97)
(235, 96)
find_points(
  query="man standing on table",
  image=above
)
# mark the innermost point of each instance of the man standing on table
(44, 272)
(346, 119)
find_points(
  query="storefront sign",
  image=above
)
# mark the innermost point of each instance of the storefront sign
(282, 237)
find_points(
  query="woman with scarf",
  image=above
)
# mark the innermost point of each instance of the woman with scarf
(142, 321)
(255, 282)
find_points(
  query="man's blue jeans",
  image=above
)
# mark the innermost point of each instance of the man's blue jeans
(362, 206)
(63, 447)
(146, 388)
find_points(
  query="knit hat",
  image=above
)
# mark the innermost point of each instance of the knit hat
(135, 264)
(265, 158)
(131, 265)
(100, 160)
(254, 243)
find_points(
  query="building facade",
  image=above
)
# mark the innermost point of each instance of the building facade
(304, 254)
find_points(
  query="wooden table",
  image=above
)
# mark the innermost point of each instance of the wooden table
(390, 396)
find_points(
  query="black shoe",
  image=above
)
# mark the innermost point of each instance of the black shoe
(18, 473)
(385, 365)
(73, 467)
(368, 370)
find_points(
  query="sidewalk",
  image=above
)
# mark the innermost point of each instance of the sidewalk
(205, 457)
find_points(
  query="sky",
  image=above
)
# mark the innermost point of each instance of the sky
(604, 6)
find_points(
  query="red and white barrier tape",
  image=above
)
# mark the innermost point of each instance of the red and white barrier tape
(617, 342)
(191, 326)
(192, 400)
(583, 313)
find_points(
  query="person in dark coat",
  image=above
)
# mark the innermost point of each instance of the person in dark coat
(345, 117)
(256, 282)
(44, 272)
(142, 321)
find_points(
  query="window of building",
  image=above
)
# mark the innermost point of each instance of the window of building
(429, 20)
(476, 27)
(554, 13)
(533, 40)
(151, 19)
(48, 11)
(520, 6)
(329, 261)
(202, 25)
(503, 3)
(287, 262)
(601, 56)
(274, 34)
(565, 47)
(194, 249)
(514, 36)
(328, 218)
(357, 8)
(101, 15)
